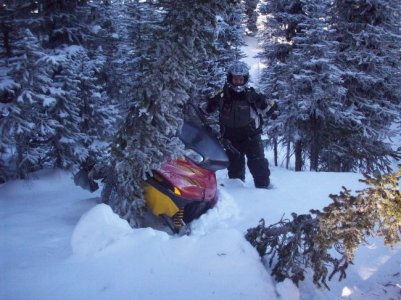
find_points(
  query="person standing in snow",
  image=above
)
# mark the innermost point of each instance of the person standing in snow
(240, 110)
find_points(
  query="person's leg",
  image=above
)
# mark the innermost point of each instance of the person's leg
(257, 163)
(236, 169)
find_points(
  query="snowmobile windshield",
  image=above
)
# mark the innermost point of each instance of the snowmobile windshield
(200, 140)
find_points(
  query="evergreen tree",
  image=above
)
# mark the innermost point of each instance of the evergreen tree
(312, 80)
(18, 52)
(98, 111)
(170, 43)
(212, 67)
(23, 125)
(283, 22)
(228, 40)
(369, 36)
(325, 241)
(316, 80)
(100, 107)
(123, 58)
(67, 141)
(252, 15)
(47, 77)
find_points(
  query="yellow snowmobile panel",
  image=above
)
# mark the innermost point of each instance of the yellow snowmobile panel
(159, 203)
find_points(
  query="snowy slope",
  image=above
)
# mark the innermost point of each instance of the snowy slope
(57, 242)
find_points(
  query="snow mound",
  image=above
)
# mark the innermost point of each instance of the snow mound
(97, 229)
(221, 216)
(288, 290)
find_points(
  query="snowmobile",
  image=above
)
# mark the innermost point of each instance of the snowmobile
(182, 190)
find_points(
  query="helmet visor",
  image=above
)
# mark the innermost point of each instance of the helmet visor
(238, 80)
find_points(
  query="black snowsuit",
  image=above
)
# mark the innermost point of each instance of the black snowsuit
(240, 123)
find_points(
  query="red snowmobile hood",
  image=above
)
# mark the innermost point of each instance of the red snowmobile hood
(192, 181)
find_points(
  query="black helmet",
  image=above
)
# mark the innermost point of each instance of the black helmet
(238, 69)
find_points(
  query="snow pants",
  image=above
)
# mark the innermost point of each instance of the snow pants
(252, 148)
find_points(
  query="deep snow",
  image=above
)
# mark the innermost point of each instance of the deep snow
(58, 242)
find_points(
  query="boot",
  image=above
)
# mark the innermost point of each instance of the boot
(262, 184)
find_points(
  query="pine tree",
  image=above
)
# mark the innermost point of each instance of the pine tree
(369, 37)
(225, 49)
(325, 241)
(64, 34)
(171, 40)
(123, 72)
(283, 22)
(330, 99)
(18, 90)
(100, 109)
(98, 112)
(48, 76)
(252, 15)
(67, 142)
(23, 124)
(212, 67)
(316, 80)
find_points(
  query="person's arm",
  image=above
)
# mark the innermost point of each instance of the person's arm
(214, 102)
(267, 107)
(272, 112)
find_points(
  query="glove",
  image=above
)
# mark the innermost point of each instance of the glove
(230, 148)
(271, 113)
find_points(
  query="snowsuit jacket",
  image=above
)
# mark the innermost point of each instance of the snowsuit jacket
(240, 112)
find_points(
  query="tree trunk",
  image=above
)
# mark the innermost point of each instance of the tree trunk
(21, 168)
(287, 164)
(298, 156)
(6, 39)
(314, 147)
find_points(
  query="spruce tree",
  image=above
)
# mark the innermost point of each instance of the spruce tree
(316, 80)
(283, 23)
(21, 79)
(24, 123)
(67, 141)
(100, 107)
(170, 43)
(369, 39)
(47, 75)
(330, 82)
(228, 40)
(252, 16)
(324, 242)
